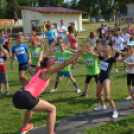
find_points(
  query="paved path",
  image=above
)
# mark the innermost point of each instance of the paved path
(91, 119)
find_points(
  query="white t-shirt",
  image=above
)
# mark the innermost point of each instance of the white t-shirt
(92, 41)
(63, 28)
(130, 60)
(126, 36)
(118, 43)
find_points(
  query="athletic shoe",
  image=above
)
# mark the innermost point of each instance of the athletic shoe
(24, 130)
(1, 92)
(126, 70)
(53, 90)
(115, 114)
(83, 95)
(129, 97)
(77, 66)
(100, 108)
(116, 71)
(78, 90)
(7, 93)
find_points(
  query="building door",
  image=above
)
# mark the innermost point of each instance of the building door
(36, 26)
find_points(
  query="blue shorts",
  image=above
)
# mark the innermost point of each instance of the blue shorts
(50, 41)
(65, 74)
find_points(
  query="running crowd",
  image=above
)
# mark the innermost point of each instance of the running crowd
(110, 46)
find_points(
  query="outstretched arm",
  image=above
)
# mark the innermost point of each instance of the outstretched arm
(120, 52)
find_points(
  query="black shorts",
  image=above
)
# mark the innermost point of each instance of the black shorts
(24, 100)
(89, 77)
(33, 66)
(23, 66)
(130, 79)
(5, 47)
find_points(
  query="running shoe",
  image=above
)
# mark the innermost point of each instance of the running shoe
(100, 108)
(7, 93)
(129, 97)
(126, 70)
(53, 90)
(1, 92)
(78, 90)
(116, 71)
(83, 95)
(24, 130)
(115, 114)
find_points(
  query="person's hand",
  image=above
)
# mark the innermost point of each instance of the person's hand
(0, 46)
(79, 53)
(29, 61)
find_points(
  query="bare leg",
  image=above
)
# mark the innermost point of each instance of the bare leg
(23, 79)
(30, 71)
(50, 47)
(99, 93)
(7, 86)
(129, 88)
(86, 87)
(72, 79)
(58, 78)
(51, 110)
(106, 86)
(116, 65)
(1, 87)
(28, 116)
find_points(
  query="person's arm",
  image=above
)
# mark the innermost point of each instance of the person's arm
(29, 57)
(121, 59)
(120, 52)
(12, 59)
(129, 64)
(3, 50)
(59, 31)
(67, 62)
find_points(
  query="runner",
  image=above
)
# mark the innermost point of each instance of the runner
(26, 98)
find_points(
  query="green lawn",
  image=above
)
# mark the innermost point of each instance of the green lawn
(65, 99)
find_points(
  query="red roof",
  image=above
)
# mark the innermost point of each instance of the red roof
(52, 9)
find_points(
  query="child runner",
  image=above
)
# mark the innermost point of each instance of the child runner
(130, 73)
(118, 46)
(73, 43)
(62, 56)
(50, 34)
(21, 51)
(92, 69)
(104, 80)
(3, 73)
(26, 98)
(126, 37)
(35, 53)
(35, 37)
(44, 29)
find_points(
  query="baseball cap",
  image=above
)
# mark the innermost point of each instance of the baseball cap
(130, 43)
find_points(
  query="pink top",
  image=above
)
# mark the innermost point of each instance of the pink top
(72, 43)
(36, 85)
(129, 30)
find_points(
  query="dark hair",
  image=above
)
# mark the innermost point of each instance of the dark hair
(44, 21)
(91, 34)
(43, 62)
(70, 28)
(59, 38)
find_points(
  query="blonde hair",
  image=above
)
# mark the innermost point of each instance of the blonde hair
(109, 49)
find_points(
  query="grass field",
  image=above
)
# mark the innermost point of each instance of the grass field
(65, 99)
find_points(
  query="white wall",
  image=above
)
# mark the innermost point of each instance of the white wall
(28, 15)
(20, 21)
(130, 8)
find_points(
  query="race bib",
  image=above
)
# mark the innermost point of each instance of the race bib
(104, 66)
(35, 54)
(90, 61)
(61, 59)
(1, 61)
(102, 31)
(20, 51)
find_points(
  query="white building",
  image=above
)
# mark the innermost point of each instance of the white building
(37, 15)
(130, 9)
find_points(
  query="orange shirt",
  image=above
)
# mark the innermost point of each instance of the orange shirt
(35, 38)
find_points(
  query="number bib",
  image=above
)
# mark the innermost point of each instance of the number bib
(90, 61)
(35, 54)
(104, 66)
(61, 59)
(20, 50)
(1, 61)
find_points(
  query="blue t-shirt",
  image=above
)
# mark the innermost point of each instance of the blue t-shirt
(50, 34)
(20, 52)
